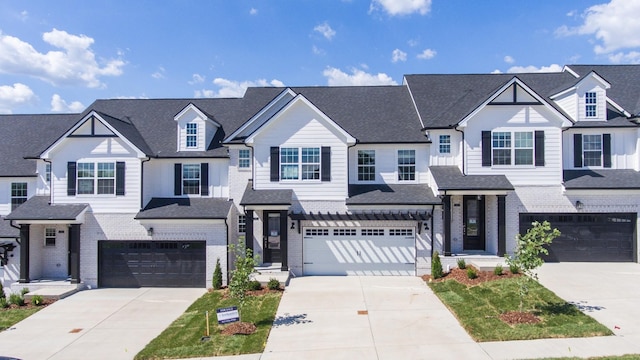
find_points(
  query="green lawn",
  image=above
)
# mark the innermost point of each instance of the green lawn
(621, 357)
(10, 317)
(182, 338)
(478, 307)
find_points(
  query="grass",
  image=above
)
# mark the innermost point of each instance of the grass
(182, 338)
(10, 317)
(478, 309)
(620, 357)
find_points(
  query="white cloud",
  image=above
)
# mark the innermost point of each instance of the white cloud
(336, 77)
(534, 69)
(614, 25)
(398, 55)
(427, 54)
(317, 51)
(11, 96)
(76, 64)
(234, 89)
(253, 11)
(159, 74)
(196, 79)
(59, 105)
(632, 57)
(509, 59)
(401, 7)
(413, 43)
(325, 30)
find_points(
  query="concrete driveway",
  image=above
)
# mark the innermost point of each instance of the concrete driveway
(97, 324)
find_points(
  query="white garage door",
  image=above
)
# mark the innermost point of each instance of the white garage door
(358, 251)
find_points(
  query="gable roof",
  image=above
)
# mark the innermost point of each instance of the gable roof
(19, 140)
(443, 100)
(40, 208)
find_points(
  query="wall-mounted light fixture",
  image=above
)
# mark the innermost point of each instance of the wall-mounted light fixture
(426, 225)
(293, 225)
(150, 231)
(579, 205)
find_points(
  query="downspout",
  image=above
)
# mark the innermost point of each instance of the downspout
(464, 170)
(228, 255)
(50, 180)
(253, 168)
(432, 209)
(142, 182)
(16, 227)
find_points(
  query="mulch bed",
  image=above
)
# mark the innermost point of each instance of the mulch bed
(460, 275)
(519, 317)
(239, 328)
(29, 305)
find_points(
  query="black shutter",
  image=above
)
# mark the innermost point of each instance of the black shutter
(606, 150)
(486, 148)
(204, 179)
(120, 178)
(539, 139)
(577, 150)
(275, 163)
(71, 178)
(177, 179)
(325, 163)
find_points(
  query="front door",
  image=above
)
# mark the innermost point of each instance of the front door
(271, 241)
(473, 227)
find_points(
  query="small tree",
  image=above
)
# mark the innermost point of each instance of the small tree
(436, 266)
(527, 254)
(216, 282)
(244, 267)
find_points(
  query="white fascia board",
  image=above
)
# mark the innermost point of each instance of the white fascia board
(563, 92)
(259, 114)
(413, 100)
(618, 107)
(300, 98)
(568, 69)
(46, 153)
(515, 80)
(198, 111)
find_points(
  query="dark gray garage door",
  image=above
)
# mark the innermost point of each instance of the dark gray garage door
(151, 263)
(589, 237)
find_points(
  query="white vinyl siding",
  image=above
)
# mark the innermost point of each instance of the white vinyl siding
(386, 162)
(623, 147)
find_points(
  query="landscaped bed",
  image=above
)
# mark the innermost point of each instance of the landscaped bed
(488, 307)
(184, 337)
(13, 313)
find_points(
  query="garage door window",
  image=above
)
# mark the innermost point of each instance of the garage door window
(316, 232)
(401, 232)
(344, 232)
(372, 232)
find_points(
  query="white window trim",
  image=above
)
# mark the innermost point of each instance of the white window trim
(244, 168)
(11, 196)
(587, 104)
(584, 163)
(242, 223)
(184, 166)
(95, 178)
(358, 165)
(50, 237)
(512, 149)
(300, 164)
(441, 144)
(188, 135)
(415, 166)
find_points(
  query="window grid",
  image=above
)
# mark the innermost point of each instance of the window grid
(366, 165)
(300, 163)
(372, 232)
(192, 135)
(191, 179)
(18, 194)
(344, 232)
(106, 178)
(50, 237)
(515, 148)
(406, 165)
(86, 175)
(590, 99)
(310, 163)
(244, 158)
(242, 224)
(445, 144)
(96, 178)
(592, 150)
(401, 232)
(289, 163)
(501, 142)
(523, 143)
(316, 232)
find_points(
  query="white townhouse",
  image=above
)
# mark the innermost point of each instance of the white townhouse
(322, 180)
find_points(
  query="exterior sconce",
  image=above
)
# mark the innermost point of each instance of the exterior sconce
(150, 231)
(579, 205)
(426, 225)
(293, 225)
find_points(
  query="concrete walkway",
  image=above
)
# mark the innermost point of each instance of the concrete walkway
(97, 324)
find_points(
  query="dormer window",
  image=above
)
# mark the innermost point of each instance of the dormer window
(590, 100)
(192, 135)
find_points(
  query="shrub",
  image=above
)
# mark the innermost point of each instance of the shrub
(436, 266)
(245, 266)
(3, 303)
(273, 284)
(462, 264)
(16, 299)
(498, 270)
(255, 285)
(2, 294)
(37, 300)
(514, 269)
(471, 273)
(217, 276)
(24, 291)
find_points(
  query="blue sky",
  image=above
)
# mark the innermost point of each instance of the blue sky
(59, 56)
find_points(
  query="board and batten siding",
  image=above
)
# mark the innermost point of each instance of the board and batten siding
(516, 118)
(97, 149)
(624, 144)
(302, 126)
(387, 163)
(454, 157)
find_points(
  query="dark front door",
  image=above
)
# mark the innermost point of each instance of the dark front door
(473, 227)
(272, 233)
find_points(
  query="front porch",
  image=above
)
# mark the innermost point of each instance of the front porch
(268, 271)
(48, 288)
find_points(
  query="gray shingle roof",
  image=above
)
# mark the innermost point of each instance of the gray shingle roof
(26, 136)
(601, 179)
(391, 194)
(266, 197)
(6, 230)
(38, 208)
(185, 208)
(451, 178)
(624, 80)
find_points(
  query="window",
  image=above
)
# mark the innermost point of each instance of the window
(242, 224)
(244, 158)
(445, 144)
(192, 135)
(406, 165)
(344, 232)
(305, 166)
(47, 172)
(592, 150)
(316, 232)
(512, 148)
(590, 99)
(372, 232)
(401, 232)
(102, 181)
(191, 179)
(18, 194)
(50, 237)
(366, 165)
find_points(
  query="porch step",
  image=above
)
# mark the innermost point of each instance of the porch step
(56, 293)
(487, 264)
(266, 272)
